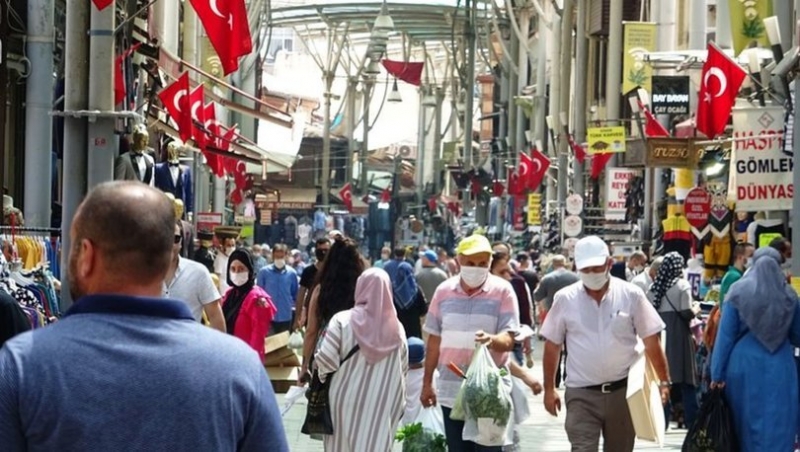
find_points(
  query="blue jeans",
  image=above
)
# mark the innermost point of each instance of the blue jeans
(518, 355)
(453, 431)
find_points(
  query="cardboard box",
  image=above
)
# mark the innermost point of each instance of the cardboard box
(278, 341)
(284, 357)
(644, 402)
(282, 378)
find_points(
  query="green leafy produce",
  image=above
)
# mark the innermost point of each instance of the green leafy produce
(482, 399)
(417, 439)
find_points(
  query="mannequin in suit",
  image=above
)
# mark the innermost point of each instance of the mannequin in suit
(172, 177)
(138, 163)
(187, 247)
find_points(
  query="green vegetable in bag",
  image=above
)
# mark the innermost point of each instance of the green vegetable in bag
(417, 439)
(457, 412)
(481, 390)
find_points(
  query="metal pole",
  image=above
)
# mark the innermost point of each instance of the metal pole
(554, 104)
(101, 96)
(581, 70)
(369, 85)
(665, 13)
(190, 55)
(470, 88)
(540, 102)
(325, 180)
(351, 127)
(566, 74)
(76, 94)
(510, 136)
(614, 72)
(502, 133)
(523, 79)
(422, 120)
(38, 122)
(698, 21)
(437, 137)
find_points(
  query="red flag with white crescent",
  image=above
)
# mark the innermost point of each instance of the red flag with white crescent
(719, 86)
(541, 163)
(227, 28)
(175, 98)
(196, 105)
(346, 194)
(102, 4)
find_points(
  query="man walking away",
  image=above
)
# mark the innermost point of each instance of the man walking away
(191, 283)
(431, 275)
(602, 319)
(126, 369)
(280, 282)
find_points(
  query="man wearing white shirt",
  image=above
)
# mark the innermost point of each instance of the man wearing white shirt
(645, 279)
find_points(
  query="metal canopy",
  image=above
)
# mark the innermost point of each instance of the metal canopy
(421, 20)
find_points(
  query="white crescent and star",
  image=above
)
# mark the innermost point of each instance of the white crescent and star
(195, 107)
(538, 164)
(176, 101)
(215, 8)
(523, 170)
(723, 82)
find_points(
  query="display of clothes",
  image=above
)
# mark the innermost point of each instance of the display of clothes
(319, 221)
(762, 231)
(176, 179)
(37, 250)
(290, 224)
(677, 235)
(33, 290)
(355, 228)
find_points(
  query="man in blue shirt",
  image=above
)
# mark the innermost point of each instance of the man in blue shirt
(281, 283)
(126, 369)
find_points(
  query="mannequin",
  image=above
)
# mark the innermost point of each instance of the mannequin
(172, 177)
(762, 230)
(10, 211)
(204, 254)
(187, 247)
(138, 163)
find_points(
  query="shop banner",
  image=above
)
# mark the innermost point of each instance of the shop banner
(535, 209)
(747, 23)
(670, 95)
(763, 173)
(639, 38)
(617, 182)
(603, 140)
(671, 153)
(207, 221)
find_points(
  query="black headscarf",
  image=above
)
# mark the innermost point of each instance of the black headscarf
(236, 295)
(669, 273)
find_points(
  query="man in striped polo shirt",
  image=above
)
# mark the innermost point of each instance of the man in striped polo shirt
(471, 307)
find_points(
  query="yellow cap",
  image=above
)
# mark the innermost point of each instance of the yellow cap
(474, 244)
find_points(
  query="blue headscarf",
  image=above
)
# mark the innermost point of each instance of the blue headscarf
(404, 286)
(765, 302)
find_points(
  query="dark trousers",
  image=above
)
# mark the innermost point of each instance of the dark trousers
(559, 375)
(453, 431)
(688, 395)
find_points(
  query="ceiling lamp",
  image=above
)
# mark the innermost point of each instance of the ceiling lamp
(373, 68)
(383, 22)
(429, 100)
(394, 96)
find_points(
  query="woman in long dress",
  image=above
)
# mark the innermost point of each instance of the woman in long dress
(367, 393)
(671, 294)
(753, 357)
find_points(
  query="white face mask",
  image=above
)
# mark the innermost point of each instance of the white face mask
(240, 279)
(385, 257)
(280, 263)
(474, 276)
(638, 269)
(594, 281)
(229, 250)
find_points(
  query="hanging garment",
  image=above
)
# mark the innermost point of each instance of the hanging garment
(677, 235)
(768, 227)
(319, 221)
(766, 234)
(720, 221)
(717, 256)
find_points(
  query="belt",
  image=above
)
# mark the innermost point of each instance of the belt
(607, 388)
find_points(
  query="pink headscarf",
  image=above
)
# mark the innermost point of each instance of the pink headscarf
(374, 318)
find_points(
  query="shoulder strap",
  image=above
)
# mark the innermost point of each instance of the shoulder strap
(676, 310)
(350, 355)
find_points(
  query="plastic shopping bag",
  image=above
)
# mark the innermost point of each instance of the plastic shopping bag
(520, 400)
(425, 434)
(294, 394)
(487, 402)
(296, 340)
(713, 429)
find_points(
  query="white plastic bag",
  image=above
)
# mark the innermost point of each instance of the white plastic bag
(294, 394)
(487, 402)
(296, 340)
(521, 409)
(426, 433)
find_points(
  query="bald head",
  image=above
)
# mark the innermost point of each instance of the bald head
(124, 232)
(558, 261)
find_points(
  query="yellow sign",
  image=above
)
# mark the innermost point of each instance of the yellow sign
(747, 23)
(639, 38)
(534, 209)
(603, 140)
(796, 284)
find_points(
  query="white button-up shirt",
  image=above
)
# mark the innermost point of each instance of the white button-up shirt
(603, 340)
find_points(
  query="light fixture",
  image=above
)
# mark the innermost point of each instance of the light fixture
(373, 68)
(774, 37)
(428, 99)
(376, 48)
(715, 169)
(384, 22)
(394, 96)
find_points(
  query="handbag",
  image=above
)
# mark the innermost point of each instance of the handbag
(318, 414)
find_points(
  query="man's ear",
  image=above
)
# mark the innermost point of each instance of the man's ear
(87, 259)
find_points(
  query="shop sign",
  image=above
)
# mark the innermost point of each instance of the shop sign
(602, 140)
(207, 221)
(761, 173)
(639, 38)
(671, 153)
(573, 225)
(670, 95)
(696, 207)
(290, 205)
(574, 204)
(534, 209)
(617, 183)
(242, 219)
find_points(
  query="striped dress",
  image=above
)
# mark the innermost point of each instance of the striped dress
(367, 401)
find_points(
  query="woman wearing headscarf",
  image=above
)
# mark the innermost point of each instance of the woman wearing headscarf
(753, 357)
(367, 391)
(247, 308)
(671, 294)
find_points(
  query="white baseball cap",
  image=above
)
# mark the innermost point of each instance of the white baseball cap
(591, 251)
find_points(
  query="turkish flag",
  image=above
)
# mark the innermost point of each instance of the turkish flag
(120, 85)
(240, 174)
(599, 162)
(514, 184)
(227, 28)
(175, 98)
(386, 196)
(498, 188)
(541, 163)
(212, 129)
(719, 86)
(526, 169)
(652, 128)
(433, 203)
(196, 105)
(346, 194)
(405, 70)
(580, 153)
(229, 163)
(102, 4)
(236, 197)
(227, 139)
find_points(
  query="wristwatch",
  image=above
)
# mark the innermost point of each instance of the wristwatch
(665, 384)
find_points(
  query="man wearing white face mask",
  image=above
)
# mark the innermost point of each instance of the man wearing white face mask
(471, 307)
(601, 320)
(280, 281)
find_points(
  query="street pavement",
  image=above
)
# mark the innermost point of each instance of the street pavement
(540, 433)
